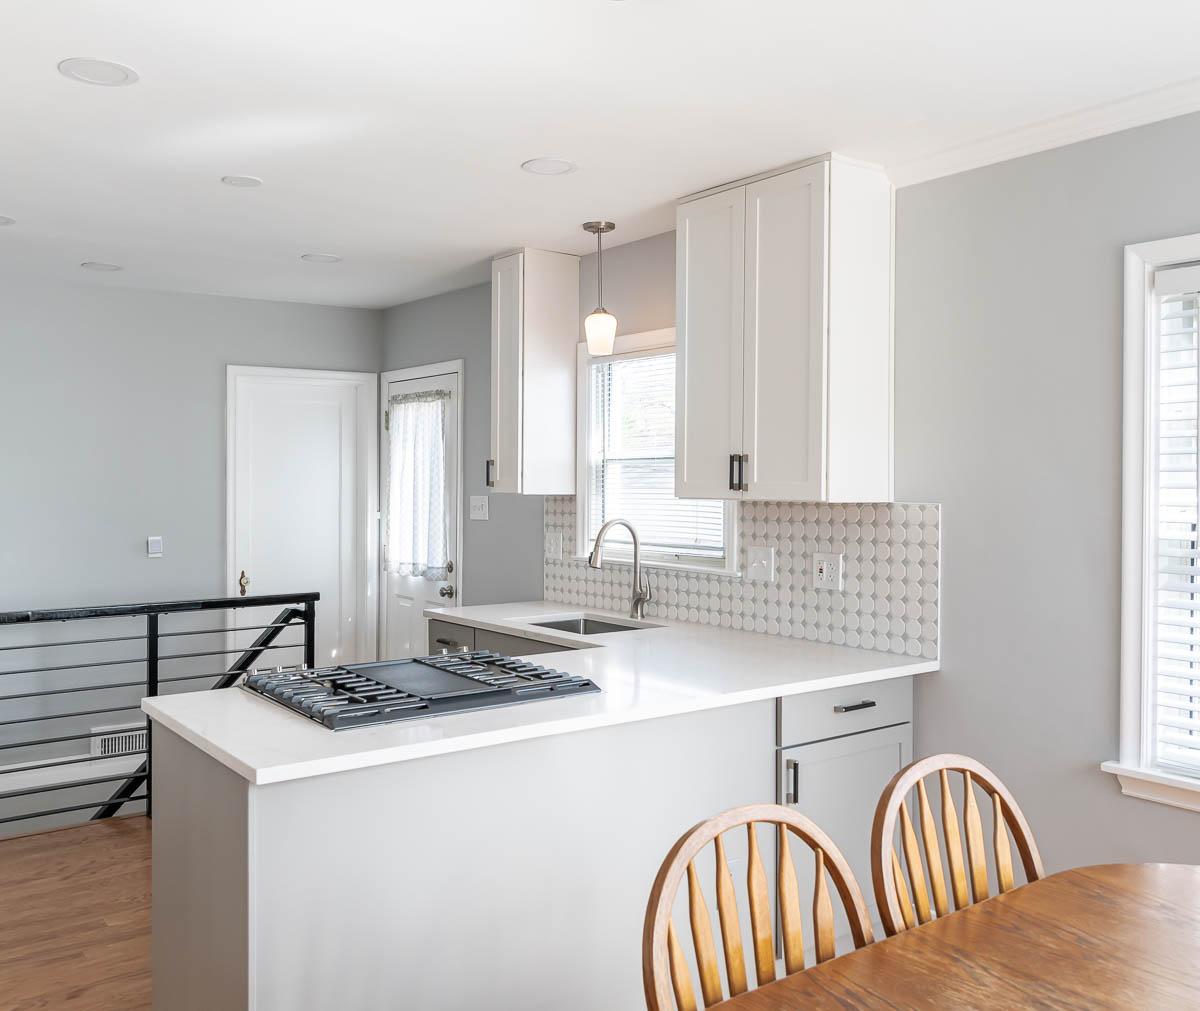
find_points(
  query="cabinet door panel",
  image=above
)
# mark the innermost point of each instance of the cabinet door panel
(785, 335)
(710, 288)
(507, 308)
(839, 783)
(513, 645)
(447, 635)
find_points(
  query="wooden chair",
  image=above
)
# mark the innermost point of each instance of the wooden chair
(898, 908)
(665, 971)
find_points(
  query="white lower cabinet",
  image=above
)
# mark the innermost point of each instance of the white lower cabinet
(836, 783)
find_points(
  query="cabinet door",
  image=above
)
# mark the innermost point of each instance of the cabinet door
(508, 299)
(710, 288)
(447, 635)
(785, 335)
(513, 645)
(837, 784)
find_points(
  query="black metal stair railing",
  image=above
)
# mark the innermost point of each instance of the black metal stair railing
(157, 677)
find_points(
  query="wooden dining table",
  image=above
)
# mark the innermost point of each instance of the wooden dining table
(1111, 936)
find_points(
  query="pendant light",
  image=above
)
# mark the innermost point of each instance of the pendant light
(600, 326)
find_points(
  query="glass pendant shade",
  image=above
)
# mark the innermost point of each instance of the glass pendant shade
(600, 329)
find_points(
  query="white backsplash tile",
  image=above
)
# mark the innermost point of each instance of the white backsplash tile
(890, 595)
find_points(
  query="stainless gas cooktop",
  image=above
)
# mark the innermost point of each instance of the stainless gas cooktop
(363, 695)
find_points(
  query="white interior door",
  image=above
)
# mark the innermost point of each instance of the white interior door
(302, 480)
(405, 629)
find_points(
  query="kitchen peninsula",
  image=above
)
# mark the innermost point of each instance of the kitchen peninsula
(417, 864)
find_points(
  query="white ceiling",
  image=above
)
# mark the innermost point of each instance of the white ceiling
(391, 132)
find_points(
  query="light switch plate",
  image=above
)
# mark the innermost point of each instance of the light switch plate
(554, 546)
(760, 563)
(154, 547)
(479, 507)
(827, 572)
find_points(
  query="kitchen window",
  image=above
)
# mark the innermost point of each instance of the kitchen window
(627, 471)
(1160, 634)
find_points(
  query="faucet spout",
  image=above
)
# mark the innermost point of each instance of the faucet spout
(641, 590)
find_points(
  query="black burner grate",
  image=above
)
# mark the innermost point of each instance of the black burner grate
(390, 691)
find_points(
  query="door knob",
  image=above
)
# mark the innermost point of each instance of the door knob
(243, 582)
(447, 592)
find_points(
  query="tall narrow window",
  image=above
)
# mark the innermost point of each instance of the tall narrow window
(630, 443)
(1175, 691)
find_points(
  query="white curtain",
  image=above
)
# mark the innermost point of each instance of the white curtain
(417, 537)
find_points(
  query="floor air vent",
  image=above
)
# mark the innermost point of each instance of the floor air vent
(118, 741)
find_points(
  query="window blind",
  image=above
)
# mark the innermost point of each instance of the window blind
(631, 464)
(1176, 664)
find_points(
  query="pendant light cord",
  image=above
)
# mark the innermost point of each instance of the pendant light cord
(599, 272)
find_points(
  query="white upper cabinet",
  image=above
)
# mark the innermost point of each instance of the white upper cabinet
(784, 334)
(535, 329)
(709, 290)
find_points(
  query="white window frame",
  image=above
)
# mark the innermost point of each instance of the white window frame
(629, 346)
(1135, 768)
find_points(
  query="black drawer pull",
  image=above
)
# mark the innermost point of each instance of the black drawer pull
(864, 704)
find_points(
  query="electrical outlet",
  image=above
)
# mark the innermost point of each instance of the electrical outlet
(554, 545)
(827, 572)
(479, 507)
(760, 563)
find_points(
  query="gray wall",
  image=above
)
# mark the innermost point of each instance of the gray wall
(1008, 411)
(639, 284)
(502, 556)
(112, 427)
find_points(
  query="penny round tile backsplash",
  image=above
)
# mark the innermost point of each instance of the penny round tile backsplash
(891, 558)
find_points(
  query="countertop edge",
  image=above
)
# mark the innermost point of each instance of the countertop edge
(511, 735)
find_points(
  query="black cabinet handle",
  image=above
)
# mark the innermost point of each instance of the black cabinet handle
(864, 704)
(792, 796)
(733, 462)
(487, 473)
(742, 461)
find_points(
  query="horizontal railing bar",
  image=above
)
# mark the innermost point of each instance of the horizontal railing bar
(64, 786)
(73, 807)
(67, 716)
(225, 652)
(70, 761)
(84, 688)
(74, 666)
(235, 628)
(59, 740)
(165, 607)
(74, 642)
(194, 677)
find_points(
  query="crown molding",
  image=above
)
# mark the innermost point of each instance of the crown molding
(1095, 121)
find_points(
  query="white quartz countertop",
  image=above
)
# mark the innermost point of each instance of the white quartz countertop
(665, 670)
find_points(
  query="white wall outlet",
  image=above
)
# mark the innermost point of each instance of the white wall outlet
(554, 541)
(827, 572)
(760, 563)
(154, 547)
(479, 507)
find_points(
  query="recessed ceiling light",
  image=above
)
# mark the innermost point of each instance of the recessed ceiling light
(246, 182)
(7, 221)
(89, 71)
(549, 166)
(320, 258)
(107, 268)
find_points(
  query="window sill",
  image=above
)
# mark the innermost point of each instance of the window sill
(699, 567)
(1157, 785)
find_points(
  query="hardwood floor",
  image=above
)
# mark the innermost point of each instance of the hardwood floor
(75, 918)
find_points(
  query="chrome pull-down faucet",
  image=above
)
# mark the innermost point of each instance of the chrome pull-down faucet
(641, 591)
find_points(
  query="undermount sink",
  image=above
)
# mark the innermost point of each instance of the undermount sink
(584, 625)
